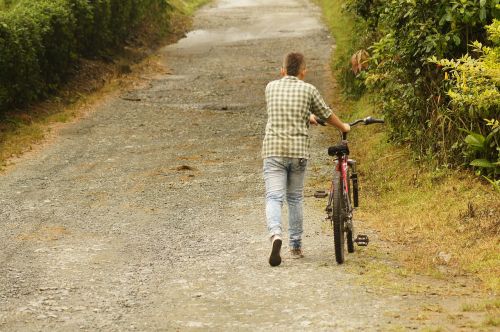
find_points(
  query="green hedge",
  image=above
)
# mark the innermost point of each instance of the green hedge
(41, 39)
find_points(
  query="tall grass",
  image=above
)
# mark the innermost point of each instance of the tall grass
(445, 221)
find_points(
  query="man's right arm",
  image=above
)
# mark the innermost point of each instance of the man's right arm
(320, 108)
(335, 121)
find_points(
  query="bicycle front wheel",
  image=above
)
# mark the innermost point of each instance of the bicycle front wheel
(338, 217)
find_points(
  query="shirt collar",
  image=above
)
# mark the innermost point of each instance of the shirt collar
(289, 77)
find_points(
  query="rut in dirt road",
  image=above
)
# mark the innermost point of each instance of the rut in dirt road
(149, 213)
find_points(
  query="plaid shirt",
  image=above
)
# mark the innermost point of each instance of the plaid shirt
(290, 101)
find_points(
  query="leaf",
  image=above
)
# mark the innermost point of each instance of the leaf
(489, 137)
(496, 184)
(446, 18)
(482, 3)
(456, 39)
(475, 140)
(442, 20)
(482, 14)
(482, 163)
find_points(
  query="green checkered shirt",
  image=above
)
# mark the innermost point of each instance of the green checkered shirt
(290, 101)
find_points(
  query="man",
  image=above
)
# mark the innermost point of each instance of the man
(292, 105)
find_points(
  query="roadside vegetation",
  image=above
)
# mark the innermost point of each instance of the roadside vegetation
(55, 56)
(42, 40)
(430, 175)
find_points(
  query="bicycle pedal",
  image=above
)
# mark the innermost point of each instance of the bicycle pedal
(320, 194)
(362, 240)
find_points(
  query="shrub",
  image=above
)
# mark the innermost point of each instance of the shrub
(41, 39)
(412, 90)
(474, 93)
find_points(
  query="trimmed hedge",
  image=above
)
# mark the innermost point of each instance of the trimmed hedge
(41, 39)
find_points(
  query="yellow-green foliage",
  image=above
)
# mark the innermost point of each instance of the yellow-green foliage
(474, 88)
(476, 81)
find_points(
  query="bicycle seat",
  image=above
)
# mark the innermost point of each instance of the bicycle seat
(339, 149)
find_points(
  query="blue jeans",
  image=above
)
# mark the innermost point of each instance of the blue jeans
(284, 177)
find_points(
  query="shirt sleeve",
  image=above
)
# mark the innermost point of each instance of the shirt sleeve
(318, 105)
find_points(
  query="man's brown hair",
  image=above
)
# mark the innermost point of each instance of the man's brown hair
(294, 63)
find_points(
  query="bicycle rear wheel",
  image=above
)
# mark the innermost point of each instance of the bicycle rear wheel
(338, 217)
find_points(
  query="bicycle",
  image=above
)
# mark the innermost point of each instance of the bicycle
(341, 200)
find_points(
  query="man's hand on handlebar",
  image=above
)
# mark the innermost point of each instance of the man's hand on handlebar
(314, 120)
(333, 120)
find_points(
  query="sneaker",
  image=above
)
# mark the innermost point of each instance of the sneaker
(296, 253)
(275, 258)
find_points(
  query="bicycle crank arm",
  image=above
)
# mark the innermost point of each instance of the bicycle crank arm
(362, 240)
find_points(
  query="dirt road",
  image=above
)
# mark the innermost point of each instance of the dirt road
(148, 214)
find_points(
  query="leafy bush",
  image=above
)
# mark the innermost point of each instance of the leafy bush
(484, 151)
(413, 92)
(474, 91)
(41, 39)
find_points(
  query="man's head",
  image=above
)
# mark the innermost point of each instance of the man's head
(294, 64)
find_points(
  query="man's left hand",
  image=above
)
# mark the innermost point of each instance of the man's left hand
(312, 120)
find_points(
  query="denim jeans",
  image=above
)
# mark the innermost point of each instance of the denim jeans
(284, 177)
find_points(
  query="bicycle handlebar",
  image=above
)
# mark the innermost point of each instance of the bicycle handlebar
(366, 121)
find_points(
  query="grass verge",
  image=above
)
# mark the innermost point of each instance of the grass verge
(187, 7)
(447, 222)
(21, 130)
